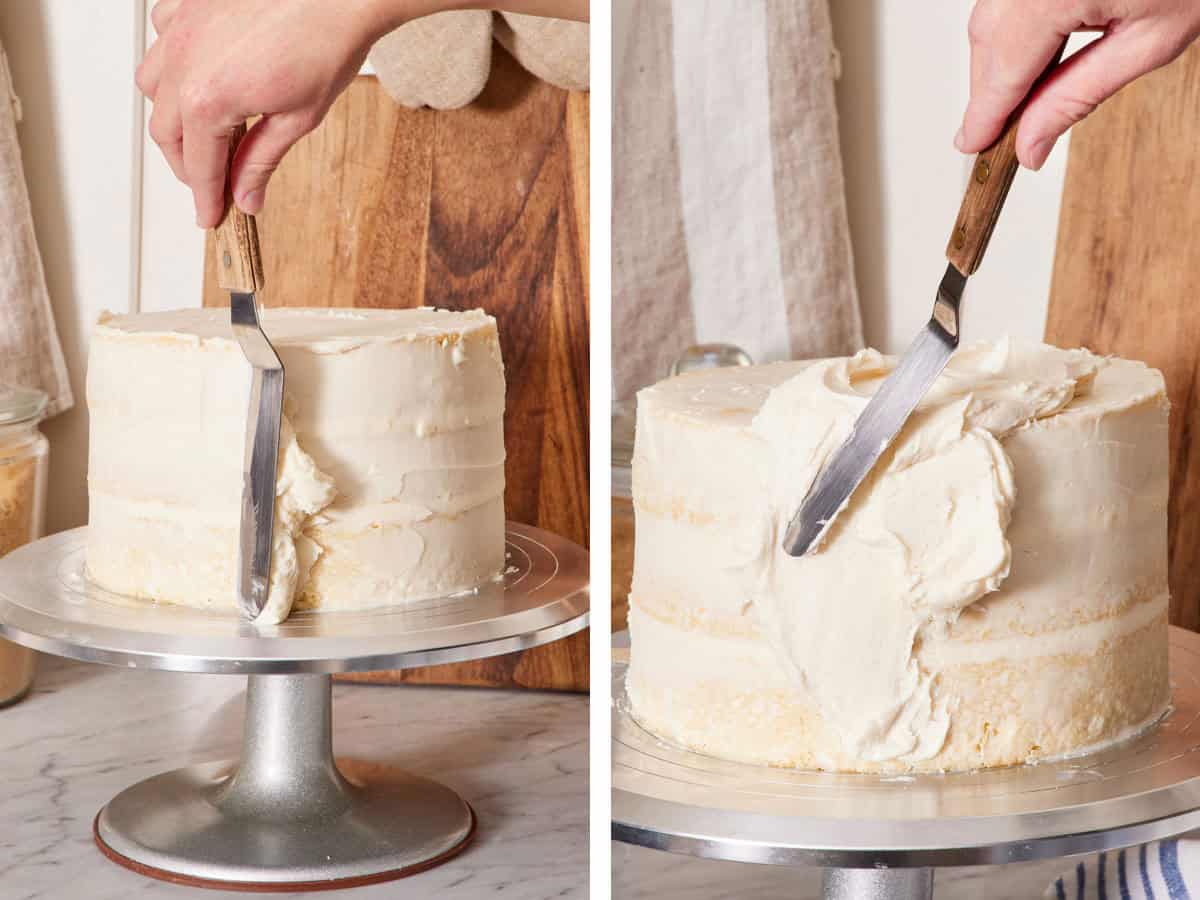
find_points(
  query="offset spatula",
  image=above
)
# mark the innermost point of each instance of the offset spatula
(902, 390)
(239, 271)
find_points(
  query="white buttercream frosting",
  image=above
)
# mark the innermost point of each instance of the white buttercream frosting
(301, 491)
(940, 564)
(391, 473)
(921, 539)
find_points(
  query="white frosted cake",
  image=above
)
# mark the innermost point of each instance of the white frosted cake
(994, 593)
(391, 472)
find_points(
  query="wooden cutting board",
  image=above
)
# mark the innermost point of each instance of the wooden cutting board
(1127, 270)
(486, 206)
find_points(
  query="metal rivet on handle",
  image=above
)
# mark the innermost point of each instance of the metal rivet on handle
(982, 171)
(227, 259)
(960, 237)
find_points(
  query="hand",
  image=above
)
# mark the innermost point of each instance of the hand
(218, 62)
(1012, 41)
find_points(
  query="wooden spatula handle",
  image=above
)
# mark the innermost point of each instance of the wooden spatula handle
(239, 263)
(991, 177)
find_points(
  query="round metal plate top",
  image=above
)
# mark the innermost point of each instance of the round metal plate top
(1143, 789)
(48, 603)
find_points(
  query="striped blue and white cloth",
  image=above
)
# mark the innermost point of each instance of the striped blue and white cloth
(1163, 870)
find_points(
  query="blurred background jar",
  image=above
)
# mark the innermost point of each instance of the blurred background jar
(623, 418)
(23, 459)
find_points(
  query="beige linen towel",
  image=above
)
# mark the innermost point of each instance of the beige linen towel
(30, 352)
(554, 50)
(443, 60)
(729, 211)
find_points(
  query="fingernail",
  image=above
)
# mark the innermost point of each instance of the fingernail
(959, 139)
(251, 201)
(1039, 151)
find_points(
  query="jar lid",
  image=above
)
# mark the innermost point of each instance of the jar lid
(710, 356)
(20, 404)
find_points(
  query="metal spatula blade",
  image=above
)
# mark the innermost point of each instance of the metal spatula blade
(881, 419)
(239, 271)
(886, 413)
(263, 418)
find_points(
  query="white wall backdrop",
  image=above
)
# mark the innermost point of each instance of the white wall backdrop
(172, 247)
(901, 95)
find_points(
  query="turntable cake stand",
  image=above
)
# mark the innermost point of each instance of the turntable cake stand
(285, 817)
(880, 836)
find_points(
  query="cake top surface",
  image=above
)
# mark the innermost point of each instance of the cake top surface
(303, 326)
(733, 396)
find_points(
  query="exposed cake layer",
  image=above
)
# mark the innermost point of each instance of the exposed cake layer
(1025, 502)
(728, 696)
(391, 472)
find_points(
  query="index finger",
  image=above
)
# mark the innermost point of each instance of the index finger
(206, 132)
(1010, 48)
(206, 158)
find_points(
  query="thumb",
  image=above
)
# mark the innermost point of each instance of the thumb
(1081, 83)
(259, 155)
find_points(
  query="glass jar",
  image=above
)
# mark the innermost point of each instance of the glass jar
(23, 458)
(622, 512)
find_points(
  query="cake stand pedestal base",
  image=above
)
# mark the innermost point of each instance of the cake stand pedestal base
(877, 884)
(285, 817)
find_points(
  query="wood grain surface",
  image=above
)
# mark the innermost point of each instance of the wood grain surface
(486, 206)
(1127, 276)
(991, 177)
(236, 251)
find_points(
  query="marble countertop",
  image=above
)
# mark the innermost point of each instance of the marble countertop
(87, 731)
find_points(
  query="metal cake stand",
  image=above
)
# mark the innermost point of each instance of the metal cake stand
(286, 817)
(881, 836)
